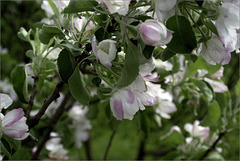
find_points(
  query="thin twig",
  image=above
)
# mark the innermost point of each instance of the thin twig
(141, 150)
(109, 145)
(88, 149)
(213, 146)
(32, 96)
(52, 124)
(34, 121)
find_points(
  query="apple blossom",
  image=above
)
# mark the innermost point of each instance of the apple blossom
(13, 124)
(5, 101)
(60, 5)
(155, 33)
(195, 130)
(80, 123)
(227, 23)
(79, 23)
(6, 87)
(105, 52)
(164, 106)
(124, 104)
(217, 86)
(215, 52)
(57, 151)
(217, 75)
(164, 9)
(119, 6)
(176, 128)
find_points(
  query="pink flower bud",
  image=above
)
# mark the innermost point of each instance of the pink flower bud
(154, 33)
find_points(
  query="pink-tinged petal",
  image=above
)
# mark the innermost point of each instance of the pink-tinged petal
(12, 116)
(94, 46)
(151, 78)
(12, 133)
(23, 137)
(118, 109)
(218, 87)
(215, 52)
(131, 97)
(176, 128)
(149, 34)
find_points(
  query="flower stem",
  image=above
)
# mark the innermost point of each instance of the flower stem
(109, 145)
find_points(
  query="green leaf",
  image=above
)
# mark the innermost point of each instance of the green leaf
(76, 6)
(209, 24)
(5, 147)
(72, 48)
(145, 123)
(213, 114)
(204, 89)
(101, 34)
(48, 32)
(200, 64)
(66, 64)
(172, 139)
(184, 40)
(96, 81)
(19, 82)
(53, 7)
(77, 87)
(24, 35)
(165, 54)
(104, 92)
(147, 52)
(131, 68)
(22, 154)
(14, 144)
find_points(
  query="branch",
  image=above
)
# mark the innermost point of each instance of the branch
(213, 146)
(109, 145)
(141, 150)
(34, 121)
(88, 149)
(51, 126)
(32, 96)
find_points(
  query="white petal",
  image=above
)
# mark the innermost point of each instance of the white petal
(5, 101)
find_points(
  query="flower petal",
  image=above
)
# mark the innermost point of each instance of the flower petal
(12, 116)
(5, 101)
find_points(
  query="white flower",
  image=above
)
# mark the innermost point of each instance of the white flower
(105, 52)
(124, 104)
(79, 23)
(81, 124)
(163, 64)
(164, 106)
(195, 130)
(13, 124)
(155, 33)
(164, 9)
(217, 75)
(218, 87)
(215, 52)
(57, 151)
(119, 6)
(227, 23)
(6, 87)
(5, 101)
(60, 5)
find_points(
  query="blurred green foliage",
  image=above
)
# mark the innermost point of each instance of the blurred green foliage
(13, 16)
